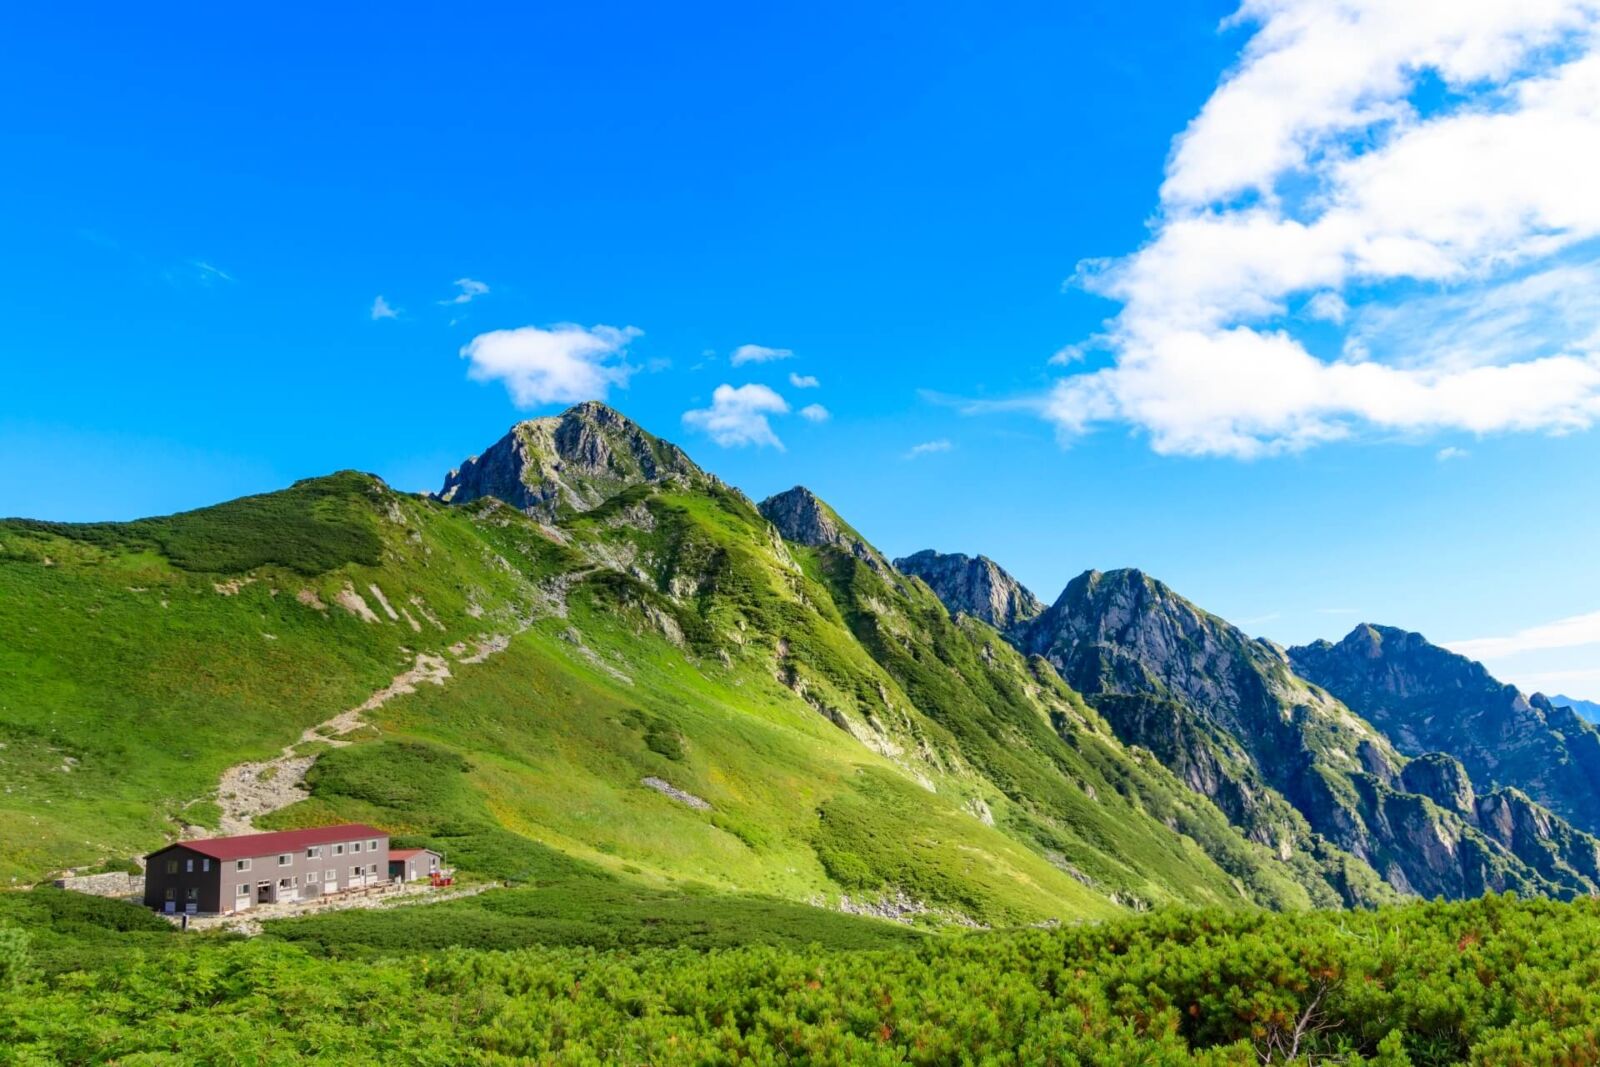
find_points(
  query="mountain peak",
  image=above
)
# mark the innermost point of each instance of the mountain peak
(1430, 699)
(973, 585)
(575, 460)
(804, 518)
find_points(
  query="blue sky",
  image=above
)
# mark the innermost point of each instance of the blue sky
(1267, 361)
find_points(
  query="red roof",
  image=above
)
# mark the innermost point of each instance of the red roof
(249, 846)
(407, 853)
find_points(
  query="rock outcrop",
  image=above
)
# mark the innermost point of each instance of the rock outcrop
(573, 461)
(1429, 699)
(974, 585)
(1123, 634)
(801, 516)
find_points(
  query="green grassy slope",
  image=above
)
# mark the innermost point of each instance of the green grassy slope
(849, 739)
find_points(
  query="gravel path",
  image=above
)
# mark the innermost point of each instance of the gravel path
(249, 790)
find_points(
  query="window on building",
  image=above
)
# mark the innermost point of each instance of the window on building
(314, 852)
(172, 894)
(355, 846)
(311, 878)
(205, 865)
(242, 865)
(188, 866)
(338, 850)
(172, 866)
(372, 868)
(330, 875)
(285, 860)
(242, 889)
(372, 846)
(355, 872)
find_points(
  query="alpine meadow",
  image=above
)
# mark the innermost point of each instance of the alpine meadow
(1022, 535)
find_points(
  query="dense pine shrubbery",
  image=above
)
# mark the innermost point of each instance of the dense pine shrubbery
(1493, 981)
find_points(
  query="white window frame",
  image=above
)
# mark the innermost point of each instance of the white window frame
(241, 865)
(372, 846)
(372, 868)
(286, 859)
(241, 890)
(331, 875)
(355, 846)
(172, 866)
(355, 872)
(192, 893)
(312, 877)
(314, 852)
(338, 850)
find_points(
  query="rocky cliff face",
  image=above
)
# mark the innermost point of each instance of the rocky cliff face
(573, 461)
(1428, 698)
(974, 585)
(801, 516)
(1263, 736)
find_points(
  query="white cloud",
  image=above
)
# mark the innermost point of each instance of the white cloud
(758, 354)
(739, 416)
(206, 273)
(1309, 174)
(1573, 632)
(1450, 452)
(1328, 306)
(563, 364)
(469, 288)
(815, 413)
(381, 309)
(803, 381)
(928, 448)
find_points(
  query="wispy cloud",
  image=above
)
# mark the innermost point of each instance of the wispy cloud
(1450, 452)
(381, 309)
(803, 381)
(560, 364)
(470, 290)
(1575, 631)
(758, 354)
(207, 274)
(928, 448)
(1310, 181)
(739, 416)
(815, 413)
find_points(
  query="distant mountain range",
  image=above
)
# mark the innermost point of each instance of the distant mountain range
(1589, 709)
(585, 649)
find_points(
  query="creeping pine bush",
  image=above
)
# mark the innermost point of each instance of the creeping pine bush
(1491, 981)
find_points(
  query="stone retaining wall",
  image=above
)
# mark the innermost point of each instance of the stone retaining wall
(114, 884)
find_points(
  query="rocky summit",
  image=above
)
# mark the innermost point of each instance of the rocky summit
(1428, 698)
(974, 585)
(574, 461)
(802, 517)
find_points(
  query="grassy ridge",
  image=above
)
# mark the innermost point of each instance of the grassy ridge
(848, 737)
